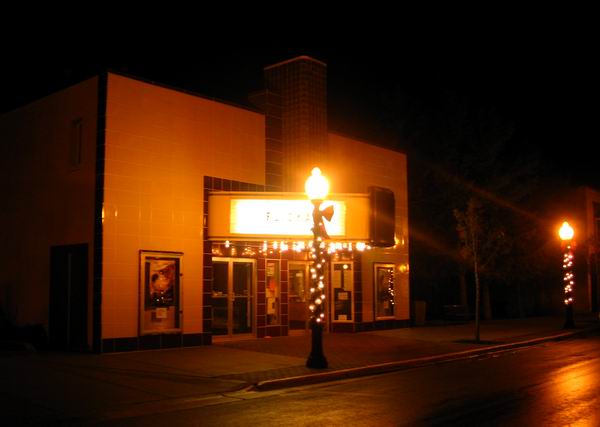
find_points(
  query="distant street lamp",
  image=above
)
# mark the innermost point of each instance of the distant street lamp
(566, 234)
(316, 188)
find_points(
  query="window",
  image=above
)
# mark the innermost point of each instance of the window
(597, 222)
(76, 144)
(272, 292)
(342, 283)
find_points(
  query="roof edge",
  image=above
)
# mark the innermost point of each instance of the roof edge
(297, 58)
(185, 91)
(341, 134)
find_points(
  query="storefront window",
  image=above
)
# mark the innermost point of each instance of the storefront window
(384, 290)
(272, 292)
(343, 288)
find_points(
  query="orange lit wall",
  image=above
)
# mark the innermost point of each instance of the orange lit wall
(590, 197)
(354, 166)
(591, 242)
(46, 202)
(160, 143)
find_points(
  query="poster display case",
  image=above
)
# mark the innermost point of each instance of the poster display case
(160, 292)
(384, 290)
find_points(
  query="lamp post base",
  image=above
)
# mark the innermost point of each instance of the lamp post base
(316, 358)
(569, 321)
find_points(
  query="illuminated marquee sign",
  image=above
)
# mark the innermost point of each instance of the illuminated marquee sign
(282, 217)
(259, 216)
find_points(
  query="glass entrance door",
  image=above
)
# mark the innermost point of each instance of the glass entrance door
(298, 294)
(232, 296)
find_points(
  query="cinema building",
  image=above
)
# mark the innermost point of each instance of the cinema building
(137, 216)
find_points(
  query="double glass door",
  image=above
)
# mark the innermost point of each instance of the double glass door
(233, 296)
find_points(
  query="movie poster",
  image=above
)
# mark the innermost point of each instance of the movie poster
(160, 292)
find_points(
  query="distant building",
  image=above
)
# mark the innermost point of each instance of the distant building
(587, 214)
(106, 236)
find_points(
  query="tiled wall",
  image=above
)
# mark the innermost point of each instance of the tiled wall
(161, 149)
(591, 233)
(218, 249)
(302, 84)
(262, 329)
(356, 166)
(274, 142)
(160, 144)
(46, 201)
(219, 184)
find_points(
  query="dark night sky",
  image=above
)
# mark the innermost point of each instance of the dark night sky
(542, 83)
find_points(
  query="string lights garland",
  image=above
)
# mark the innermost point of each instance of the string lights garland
(391, 287)
(569, 277)
(317, 288)
(250, 249)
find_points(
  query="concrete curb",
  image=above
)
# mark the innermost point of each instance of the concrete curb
(407, 364)
(8, 345)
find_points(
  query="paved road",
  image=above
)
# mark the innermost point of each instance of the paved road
(557, 383)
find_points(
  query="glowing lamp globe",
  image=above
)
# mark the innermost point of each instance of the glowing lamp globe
(316, 185)
(566, 232)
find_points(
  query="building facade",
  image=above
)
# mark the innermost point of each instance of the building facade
(585, 211)
(106, 229)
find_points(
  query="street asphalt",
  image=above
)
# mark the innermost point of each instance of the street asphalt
(68, 388)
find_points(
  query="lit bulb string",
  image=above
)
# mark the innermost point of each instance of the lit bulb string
(330, 248)
(269, 248)
(569, 277)
(391, 287)
(317, 254)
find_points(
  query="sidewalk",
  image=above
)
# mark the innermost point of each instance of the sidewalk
(57, 386)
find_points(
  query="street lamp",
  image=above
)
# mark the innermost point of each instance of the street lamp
(566, 234)
(316, 188)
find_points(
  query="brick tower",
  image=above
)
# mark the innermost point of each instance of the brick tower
(302, 86)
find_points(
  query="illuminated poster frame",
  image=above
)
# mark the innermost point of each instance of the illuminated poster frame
(384, 289)
(160, 292)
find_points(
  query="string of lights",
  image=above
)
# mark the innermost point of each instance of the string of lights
(282, 246)
(391, 293)
(569, 277)
(317, 288)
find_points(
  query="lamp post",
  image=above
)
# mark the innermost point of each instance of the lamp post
(316, 188)
(566, 234)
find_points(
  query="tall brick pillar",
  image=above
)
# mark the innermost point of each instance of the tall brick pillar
(302, 85)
